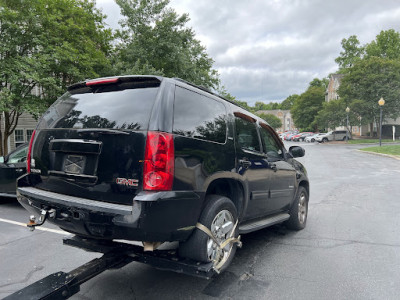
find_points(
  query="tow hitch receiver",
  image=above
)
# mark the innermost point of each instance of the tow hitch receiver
(61, 285)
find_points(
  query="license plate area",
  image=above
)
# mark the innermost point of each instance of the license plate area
(74, 164)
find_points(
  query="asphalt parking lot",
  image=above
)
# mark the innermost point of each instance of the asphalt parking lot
(350, 248)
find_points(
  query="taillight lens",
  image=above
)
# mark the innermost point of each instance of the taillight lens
(29, 156)
(159, 158)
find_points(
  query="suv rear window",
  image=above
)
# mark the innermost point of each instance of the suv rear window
(126, 108)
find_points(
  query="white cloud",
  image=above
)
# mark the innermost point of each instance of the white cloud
(269, 49)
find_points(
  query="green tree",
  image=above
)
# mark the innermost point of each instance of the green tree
(386, 45)
(306, 108)
(261, 106)
(352, 52)
(332, 114)
(369, 80)
(224, 93)
(288, 102)
(156, 40)
(271, 119)
(44, 46)
(319, 83)
(243, 104)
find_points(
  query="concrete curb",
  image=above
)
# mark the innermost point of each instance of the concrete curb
(362, 144)
(380, 154)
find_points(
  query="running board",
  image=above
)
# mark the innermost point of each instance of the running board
(256, 225)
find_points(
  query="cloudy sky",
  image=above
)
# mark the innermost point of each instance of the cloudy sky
(266, 50)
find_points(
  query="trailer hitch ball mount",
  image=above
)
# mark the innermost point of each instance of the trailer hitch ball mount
(44, 213)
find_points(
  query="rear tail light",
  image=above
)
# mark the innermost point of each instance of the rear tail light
(29, 156)
(159, 158)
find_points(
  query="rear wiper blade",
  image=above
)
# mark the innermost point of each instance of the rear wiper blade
(103, 131)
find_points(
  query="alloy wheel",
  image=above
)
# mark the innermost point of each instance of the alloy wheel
(221, 227)
(302, 211)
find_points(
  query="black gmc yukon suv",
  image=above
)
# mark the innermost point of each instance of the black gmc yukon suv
(155, 159)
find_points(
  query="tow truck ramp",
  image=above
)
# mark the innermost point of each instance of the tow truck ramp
(61, 285)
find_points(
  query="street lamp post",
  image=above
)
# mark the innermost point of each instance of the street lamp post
(381, 103)
(347, 125)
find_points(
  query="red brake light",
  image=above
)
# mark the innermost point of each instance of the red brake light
(159, 160)
(102, 81)
(29, 156)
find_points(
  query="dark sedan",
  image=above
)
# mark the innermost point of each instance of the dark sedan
(12, 166)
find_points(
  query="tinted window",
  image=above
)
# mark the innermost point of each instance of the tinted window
(19, 155)
(246, 134)
(120, 109)
(198, 116)
(270, 146)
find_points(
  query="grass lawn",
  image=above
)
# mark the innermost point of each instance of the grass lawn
(387, 149)
(371, 141)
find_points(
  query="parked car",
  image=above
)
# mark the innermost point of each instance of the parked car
(295, 136)
(287, 133)
(156, 159)
(311, 138)
(12, 166)
(335, 135)
(300, 137)
(290, 136)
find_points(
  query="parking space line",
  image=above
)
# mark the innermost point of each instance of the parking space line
(37, 228)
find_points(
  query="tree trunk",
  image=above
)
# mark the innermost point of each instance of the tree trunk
(10, 123)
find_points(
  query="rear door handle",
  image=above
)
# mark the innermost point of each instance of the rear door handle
(245, 163)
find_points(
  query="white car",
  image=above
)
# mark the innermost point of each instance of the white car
(311, 138)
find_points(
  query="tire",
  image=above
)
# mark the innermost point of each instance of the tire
(299, 211)
(199, 246)
(312, 140)
(344, 138)
(324, 140)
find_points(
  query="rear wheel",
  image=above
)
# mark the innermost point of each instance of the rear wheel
(299, 211)
(220, 217)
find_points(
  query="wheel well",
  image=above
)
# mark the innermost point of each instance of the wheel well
(229, 188)
(306, 185)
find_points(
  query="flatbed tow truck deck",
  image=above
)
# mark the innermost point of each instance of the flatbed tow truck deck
(61, 285)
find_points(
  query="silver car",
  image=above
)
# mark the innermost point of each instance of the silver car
(334, 135)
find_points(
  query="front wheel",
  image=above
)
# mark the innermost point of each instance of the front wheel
(299, 211)
(220, 217)
(324, 140)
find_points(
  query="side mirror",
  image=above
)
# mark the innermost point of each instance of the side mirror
(297, 151)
